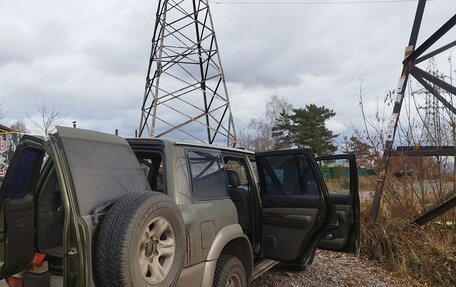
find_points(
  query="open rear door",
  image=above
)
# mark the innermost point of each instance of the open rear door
(17, 222)
(341, 177)
(296, 211)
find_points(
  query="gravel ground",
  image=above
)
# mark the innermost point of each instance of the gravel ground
(330, 269)
(335, 270)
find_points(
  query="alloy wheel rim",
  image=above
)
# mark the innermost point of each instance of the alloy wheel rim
(233, 281)
(156, 250)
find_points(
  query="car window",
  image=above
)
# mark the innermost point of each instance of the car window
(208, 174)
(238, 166)
(336, 173)
(19, 184)
(288, 175)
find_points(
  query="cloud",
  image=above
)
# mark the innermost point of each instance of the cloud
(90, 58)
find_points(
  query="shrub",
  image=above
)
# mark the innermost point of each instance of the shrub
(426, 254)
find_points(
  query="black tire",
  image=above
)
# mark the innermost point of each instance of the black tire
(120, 251)
(229, 268)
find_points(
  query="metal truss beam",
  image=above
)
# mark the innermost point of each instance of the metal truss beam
(431, 40)
(418, 73)
(438, 209)
(424, 151)
(434, 92)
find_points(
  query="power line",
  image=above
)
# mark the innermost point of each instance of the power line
(314, 2)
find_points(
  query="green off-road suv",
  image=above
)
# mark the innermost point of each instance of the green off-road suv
(105, 211)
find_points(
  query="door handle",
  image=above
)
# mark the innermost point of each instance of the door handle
(72, 251)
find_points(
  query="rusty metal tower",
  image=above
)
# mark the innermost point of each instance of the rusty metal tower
(185, 97)
(414, 55)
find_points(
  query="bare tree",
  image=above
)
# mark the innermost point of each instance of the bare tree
(274, 107)
(374, 130)
(258, 136)
(19, 126)
(2, 114)
(48, 117)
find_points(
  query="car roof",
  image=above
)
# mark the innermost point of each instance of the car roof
(76, 133)
(145, 141)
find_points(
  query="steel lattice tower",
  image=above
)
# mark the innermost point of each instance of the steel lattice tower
(414, 55)
(185, 95)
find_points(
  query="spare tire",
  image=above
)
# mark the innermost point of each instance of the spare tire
(141, 242)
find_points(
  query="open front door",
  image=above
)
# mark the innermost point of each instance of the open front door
(341, 177)
(17, 221)
(296, 211)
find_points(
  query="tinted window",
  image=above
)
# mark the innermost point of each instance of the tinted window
(288, 175)
(336, 174)
(102, 171)
(238, 166)
(19, 184)
(208, 175)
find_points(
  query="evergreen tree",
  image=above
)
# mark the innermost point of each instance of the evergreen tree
(305, 128)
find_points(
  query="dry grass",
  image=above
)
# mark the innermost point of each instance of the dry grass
(367, 182)
(428, 255)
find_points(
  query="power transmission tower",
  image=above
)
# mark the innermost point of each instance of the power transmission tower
(413, 56)
(185, 95)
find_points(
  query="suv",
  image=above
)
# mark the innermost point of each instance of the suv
(105, 211)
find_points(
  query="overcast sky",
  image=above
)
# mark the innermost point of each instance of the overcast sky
(89, 58)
